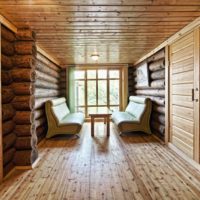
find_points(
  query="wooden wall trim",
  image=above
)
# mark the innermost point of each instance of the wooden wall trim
(13, 28)
(196, 89)
(8, 24)
(1, 134)
(44, 53)
(173, 38)
(167, 96)
(184, 156)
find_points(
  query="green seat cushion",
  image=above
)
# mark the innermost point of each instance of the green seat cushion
(119, 117)
(72, 118)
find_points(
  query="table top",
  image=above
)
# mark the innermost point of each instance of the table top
(100, 111)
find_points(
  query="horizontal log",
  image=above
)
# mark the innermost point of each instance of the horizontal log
(34, 141)
(6, 62)
(41, 92)
(63, 74)
(7, 94)
(46, 77)
(158, 118)
(25, 157)
(62, 85)
(159, 109)
(40, 102)
(159, 135)
(62, 79)
(63, 92)
(24, 61)
(7, 48)
(158, 84)
(7, 168)
(151, 92)
(40, 66)
(45, 84)
(41, 130)
(25, 88)
(7, 34)
(25, 48)
(156, 100)
(41, 137)
(23, 75)
(9, 141)
(6, 77)
(8, 127)
(24, 130)
(157, 65)
(157, 56)
(24, 117)
(158, 74)
(47, 62)
(25, 143)
(8, 156)
(26, 35)
(8, 112)
(39, 113)
(158, 127)
(23, 102)
(40, 122)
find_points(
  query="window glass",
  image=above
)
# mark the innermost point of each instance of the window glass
(91, 74)
(80, 93)
(102, 92)
(114, 92)
(91, 92)
(79, 74)
(113, 73)
(102, 73)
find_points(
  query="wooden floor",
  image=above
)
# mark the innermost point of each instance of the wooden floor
(130, 167)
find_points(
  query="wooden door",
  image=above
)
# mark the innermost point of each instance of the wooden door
(184, 100)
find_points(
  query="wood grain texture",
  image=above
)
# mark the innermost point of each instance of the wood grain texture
(182, 110)
(72, 30)
(136, 166)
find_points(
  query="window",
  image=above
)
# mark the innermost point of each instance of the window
(97, 88)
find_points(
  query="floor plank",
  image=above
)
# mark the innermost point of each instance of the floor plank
(134, 166)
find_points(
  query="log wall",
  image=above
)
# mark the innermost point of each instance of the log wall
(23, 75)
(47, 87)
(63, 80)
(130, 81)
(155, 91)
(8, 112)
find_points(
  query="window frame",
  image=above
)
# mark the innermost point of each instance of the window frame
(107, 79)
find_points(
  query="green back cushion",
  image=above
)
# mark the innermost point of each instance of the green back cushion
(135, 109)
(60, 111)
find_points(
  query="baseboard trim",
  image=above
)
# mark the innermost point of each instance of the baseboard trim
(9, 174)
(157, 138)
(184, 156)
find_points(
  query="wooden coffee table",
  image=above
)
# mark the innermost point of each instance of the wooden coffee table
(100, 113)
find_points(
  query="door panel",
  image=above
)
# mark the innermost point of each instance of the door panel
(181, 86)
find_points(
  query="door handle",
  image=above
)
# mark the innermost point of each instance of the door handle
(193, 94)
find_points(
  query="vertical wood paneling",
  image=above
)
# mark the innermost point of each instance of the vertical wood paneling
(181, 85)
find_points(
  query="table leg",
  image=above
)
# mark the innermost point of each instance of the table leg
(92, 126)
(104, 120)
(108, 126)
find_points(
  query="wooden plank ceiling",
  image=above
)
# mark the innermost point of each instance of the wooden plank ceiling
(121, 31)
